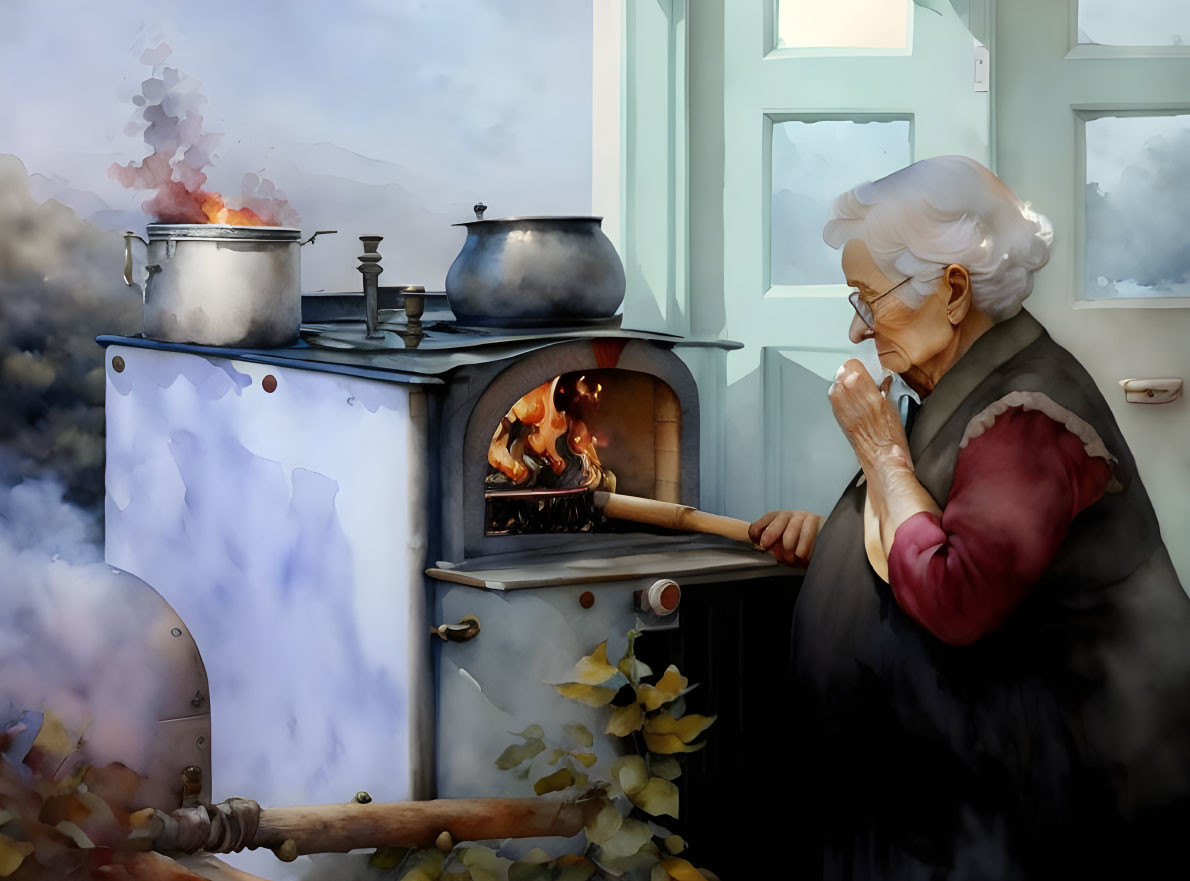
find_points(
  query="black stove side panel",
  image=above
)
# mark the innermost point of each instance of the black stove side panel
(735, 794)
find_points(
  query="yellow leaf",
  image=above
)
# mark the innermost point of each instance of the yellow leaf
(426, 865)
(657, 797)
(388, 857)
(594, 668)
(668, 744)
(585, 759)
(672, 683)
(76, 834)
(625, 720)
(687, 728)
(633, 835)
(680, 870)
(591, 695)
(605, 824)
(668, 688)
(675, 844)
(12, 854)
(52, 737)
(555, 782)
(630, 773)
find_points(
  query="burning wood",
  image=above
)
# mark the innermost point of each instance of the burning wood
(526, 442)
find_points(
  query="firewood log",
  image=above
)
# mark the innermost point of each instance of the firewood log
(240, 823)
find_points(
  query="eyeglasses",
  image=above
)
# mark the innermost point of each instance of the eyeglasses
(863, 308)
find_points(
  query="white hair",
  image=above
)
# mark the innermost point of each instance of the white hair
(942, 211)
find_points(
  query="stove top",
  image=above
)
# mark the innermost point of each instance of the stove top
(332, 340)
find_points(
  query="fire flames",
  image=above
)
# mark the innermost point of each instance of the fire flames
(525, 445)
(216, 211)
(169, 110)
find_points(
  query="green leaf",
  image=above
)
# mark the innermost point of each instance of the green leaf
(579, 735)
(605, 824)
(665, 767)
(559, 780)
(517, 753)
(533, 732)
(585, 759)
(635, 670)
(525, 871)
(631, 837)
(554, 755)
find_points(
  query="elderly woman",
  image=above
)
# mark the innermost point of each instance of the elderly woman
(989, 662)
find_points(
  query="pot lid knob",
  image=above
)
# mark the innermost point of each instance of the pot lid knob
(479, 208)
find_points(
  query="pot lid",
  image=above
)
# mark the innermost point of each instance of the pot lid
(529, 219)
(222, 232)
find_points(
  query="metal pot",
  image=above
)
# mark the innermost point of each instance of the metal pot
(529, 271)
(217, 285)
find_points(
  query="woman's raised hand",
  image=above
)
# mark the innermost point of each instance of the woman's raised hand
(788, 535)
(867, 418)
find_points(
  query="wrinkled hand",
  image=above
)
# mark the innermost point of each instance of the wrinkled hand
(867, 418)
(788, 535)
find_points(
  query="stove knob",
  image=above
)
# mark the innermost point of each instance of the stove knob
(661, 597)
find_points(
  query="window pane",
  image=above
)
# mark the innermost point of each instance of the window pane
(1138, 206)
(1134, 23)
(842, 24)
(813, 162)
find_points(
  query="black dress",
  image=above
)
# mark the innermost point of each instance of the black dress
(1055, 747)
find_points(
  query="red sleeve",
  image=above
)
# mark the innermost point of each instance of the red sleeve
(1016, 488)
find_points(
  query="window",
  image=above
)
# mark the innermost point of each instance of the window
(1137, 205)
(813, 161)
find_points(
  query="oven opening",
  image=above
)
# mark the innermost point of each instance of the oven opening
(607, 429)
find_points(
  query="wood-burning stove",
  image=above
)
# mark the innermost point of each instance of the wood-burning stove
(315, 512)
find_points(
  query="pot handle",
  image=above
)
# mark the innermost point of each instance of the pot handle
(128, 236)
(321, 232)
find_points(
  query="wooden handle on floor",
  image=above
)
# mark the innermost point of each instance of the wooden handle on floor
(673, 516)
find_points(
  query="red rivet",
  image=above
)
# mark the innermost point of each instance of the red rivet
(269, 383)
(586, 599)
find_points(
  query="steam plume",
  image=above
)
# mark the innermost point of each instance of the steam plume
(169, 109)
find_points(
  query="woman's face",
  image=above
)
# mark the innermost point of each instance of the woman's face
(906, 339)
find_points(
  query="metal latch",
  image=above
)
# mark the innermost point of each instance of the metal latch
(466, 630)
(983, 67)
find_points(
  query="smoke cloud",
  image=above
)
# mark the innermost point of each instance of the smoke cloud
(73, 636)
(60, 286)
(169, 112)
